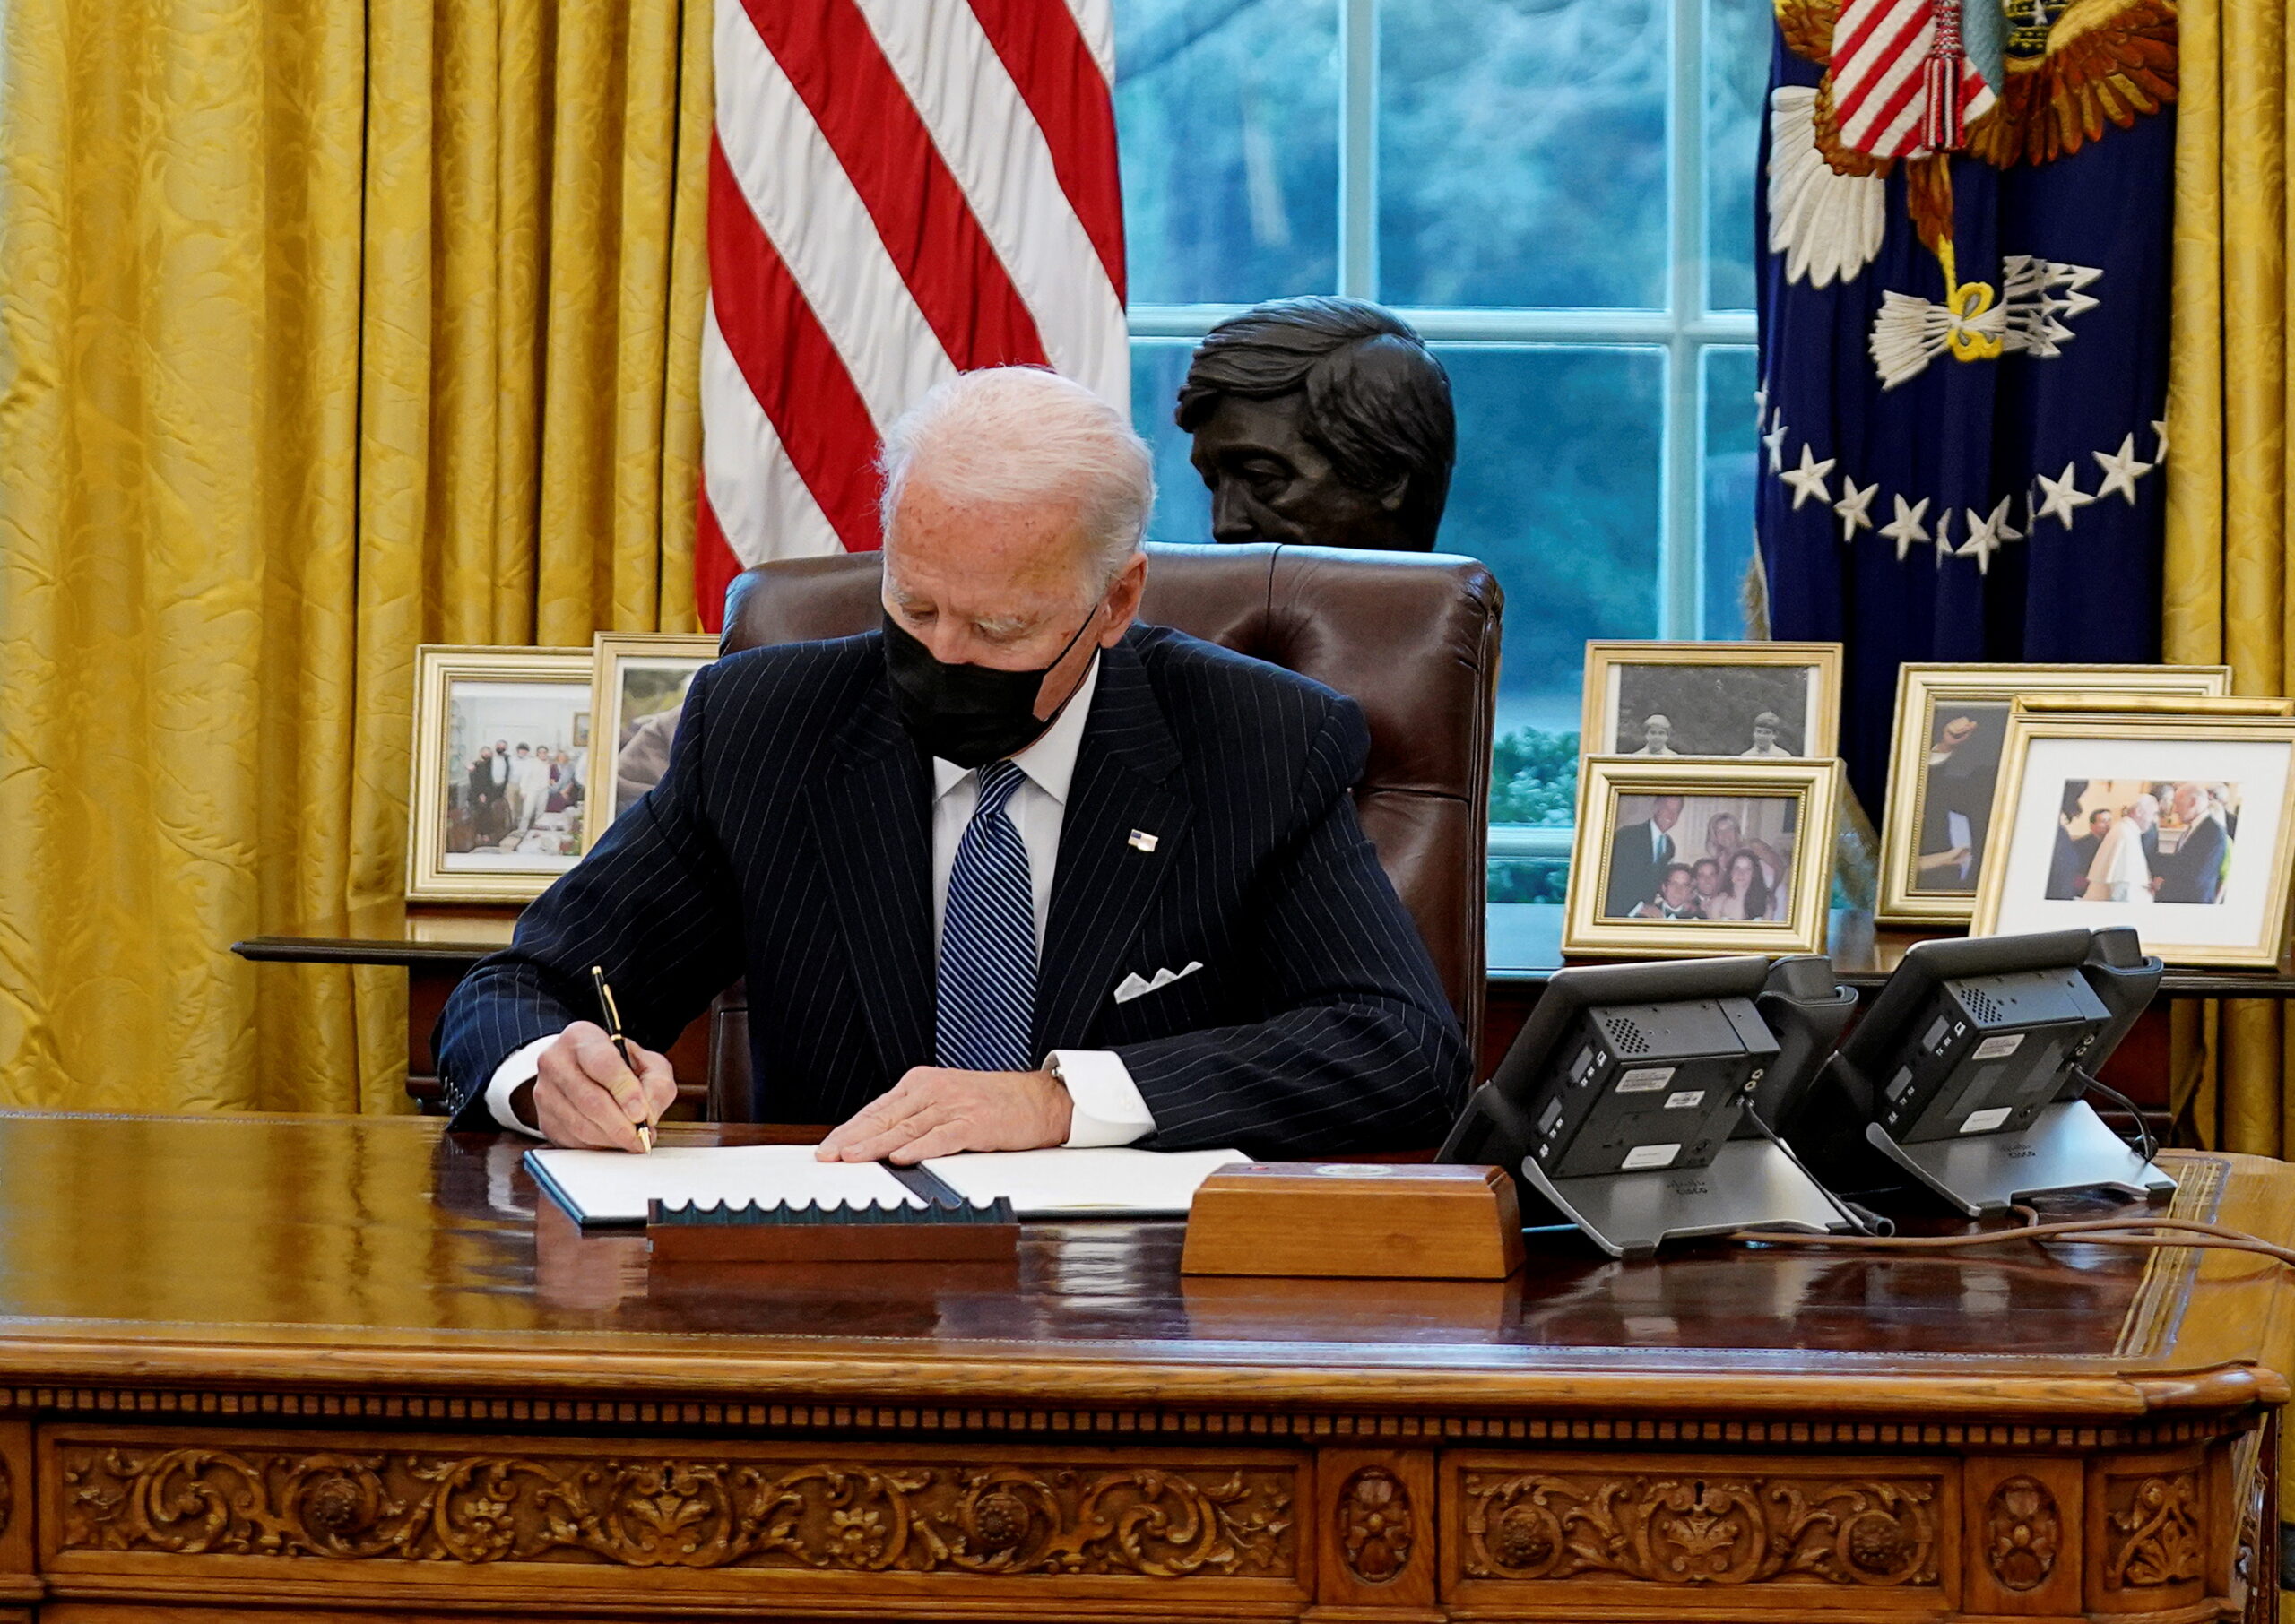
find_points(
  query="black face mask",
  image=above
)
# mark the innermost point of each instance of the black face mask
(969, 715)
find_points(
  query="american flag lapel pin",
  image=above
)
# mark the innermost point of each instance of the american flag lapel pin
(1141, 841)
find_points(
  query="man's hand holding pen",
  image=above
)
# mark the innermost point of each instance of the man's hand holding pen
(582, 1094)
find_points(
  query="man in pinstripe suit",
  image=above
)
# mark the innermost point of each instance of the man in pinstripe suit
(1011, 872)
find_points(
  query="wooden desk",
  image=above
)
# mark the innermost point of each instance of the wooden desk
(316, 1369)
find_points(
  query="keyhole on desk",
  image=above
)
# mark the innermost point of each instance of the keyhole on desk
(1703, 1531)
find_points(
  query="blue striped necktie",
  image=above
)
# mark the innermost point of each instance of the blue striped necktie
(987, 997)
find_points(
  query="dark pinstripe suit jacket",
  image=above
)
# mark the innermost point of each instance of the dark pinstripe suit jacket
(791, 842)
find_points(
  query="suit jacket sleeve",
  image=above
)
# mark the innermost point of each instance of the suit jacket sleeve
(1629, 865)
(653, 904)
(2198, 872)
(1359, 1045)
(2064, 869)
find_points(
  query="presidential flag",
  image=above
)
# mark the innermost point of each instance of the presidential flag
(1964, 230)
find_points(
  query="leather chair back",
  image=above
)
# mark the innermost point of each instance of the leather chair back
(1411, 637)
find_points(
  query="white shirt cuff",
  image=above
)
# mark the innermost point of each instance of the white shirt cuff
(522, 1067)
(1104, 1103)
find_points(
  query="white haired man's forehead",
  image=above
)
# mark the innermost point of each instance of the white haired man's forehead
(1022, 437)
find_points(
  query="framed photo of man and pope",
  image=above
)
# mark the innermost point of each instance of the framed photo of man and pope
(2179, 825)
(1952, 723)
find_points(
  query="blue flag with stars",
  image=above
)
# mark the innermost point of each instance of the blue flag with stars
(1965, 345)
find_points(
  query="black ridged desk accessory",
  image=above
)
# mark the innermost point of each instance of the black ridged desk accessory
(946, 1228)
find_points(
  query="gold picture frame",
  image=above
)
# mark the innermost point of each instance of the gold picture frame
(2150, 704)
(466, 845)
(1703, 721)
(1906, 896)
(1598, 921)
(618, 659)
(2238, 772)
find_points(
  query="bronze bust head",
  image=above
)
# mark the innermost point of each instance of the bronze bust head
(1323, 420)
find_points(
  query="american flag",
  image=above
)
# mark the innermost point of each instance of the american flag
(899, 191)
(1902, 85)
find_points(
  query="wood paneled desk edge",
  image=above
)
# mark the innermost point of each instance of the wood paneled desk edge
(499, 1415)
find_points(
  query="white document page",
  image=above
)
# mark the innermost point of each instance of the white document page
(1084, 1183)
(613, 1186)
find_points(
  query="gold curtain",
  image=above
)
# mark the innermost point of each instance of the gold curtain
(2229, 479)
(327, 329)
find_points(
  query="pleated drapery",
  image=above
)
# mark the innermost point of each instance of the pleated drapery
(2229, 482)
(327, 329)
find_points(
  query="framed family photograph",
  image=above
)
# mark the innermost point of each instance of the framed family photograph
(2175, 826)
(1678, 858)
(501, 771)
(1952, 722)
(1749, 701)
(637, 695)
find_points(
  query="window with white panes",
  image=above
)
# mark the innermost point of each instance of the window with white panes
(1558, 194)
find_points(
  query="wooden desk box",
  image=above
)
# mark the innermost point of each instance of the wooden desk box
(1368, 1221)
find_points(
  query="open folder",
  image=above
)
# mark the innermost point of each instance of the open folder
(609, 1188)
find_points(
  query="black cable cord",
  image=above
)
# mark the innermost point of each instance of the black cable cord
(1858, 1219)
(2145, 1144)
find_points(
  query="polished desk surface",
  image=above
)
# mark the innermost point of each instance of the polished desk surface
(354, 1250)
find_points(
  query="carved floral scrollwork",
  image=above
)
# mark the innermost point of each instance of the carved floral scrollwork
(1715, 1531)
(1011, 1519)
(839, 1517)
(2021, 1533)
(2155, 1535)
(2247, 1552)
(1376, 1528)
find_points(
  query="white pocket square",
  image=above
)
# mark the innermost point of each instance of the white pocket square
(1132, 987)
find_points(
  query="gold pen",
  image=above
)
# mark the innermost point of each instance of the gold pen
(621, 1045)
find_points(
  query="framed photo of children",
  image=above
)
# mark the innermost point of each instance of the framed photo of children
(1689, 858)
(1748, 701)
(2177, 825)
(637, 696)
(1945, 761)
(501, 771)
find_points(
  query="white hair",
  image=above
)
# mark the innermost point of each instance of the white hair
(1021, 436)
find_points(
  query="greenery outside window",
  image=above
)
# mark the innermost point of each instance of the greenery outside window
(1558, 194)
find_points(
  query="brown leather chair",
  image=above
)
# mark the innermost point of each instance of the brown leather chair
(1411, 637)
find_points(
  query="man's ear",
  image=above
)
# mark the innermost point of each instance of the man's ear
(1124, 600)
(1390, 500)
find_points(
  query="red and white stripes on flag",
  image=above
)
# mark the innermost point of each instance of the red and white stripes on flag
(899, 191)
(1901, 84)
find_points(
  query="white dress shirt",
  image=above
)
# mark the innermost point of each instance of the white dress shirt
(1106, 1106)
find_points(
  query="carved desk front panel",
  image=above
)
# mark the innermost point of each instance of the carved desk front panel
(340, 1369)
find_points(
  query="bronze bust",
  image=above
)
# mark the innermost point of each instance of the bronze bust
(1323, 420)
